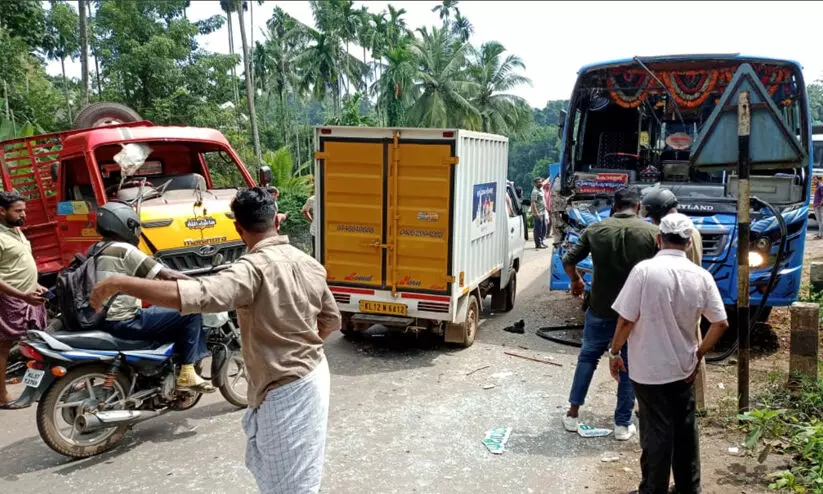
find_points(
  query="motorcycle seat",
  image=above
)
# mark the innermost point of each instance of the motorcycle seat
(100, 340)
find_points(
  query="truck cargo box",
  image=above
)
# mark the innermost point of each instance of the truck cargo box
(412, 220)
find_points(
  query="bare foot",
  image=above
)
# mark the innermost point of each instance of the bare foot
(5, 399)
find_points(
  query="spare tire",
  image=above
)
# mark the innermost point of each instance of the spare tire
(104, 113)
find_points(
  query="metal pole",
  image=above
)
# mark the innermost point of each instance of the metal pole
(743, 224)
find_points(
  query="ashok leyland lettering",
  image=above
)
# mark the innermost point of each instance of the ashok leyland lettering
(637, 121)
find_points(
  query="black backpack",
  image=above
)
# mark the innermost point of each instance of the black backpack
(73, 289)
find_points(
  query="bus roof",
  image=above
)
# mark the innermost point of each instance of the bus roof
(689, 58)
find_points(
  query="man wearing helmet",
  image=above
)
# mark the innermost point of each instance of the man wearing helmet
(659, 202)
(119, 226)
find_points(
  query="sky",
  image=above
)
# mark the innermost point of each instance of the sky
(555, 39)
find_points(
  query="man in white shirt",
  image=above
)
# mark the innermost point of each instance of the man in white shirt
(659, 307)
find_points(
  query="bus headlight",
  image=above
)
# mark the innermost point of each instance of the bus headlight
(756, 259)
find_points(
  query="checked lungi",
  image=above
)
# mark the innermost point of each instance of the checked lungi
(287, 435)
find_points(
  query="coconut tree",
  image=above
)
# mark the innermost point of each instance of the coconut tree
(495, 74)
(228, 6)
(461, 28)
(443, 85)
(395, 89)
(62, 41)
(84, 51)
(445, 9)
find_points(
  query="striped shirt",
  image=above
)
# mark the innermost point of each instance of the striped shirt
(123, 258)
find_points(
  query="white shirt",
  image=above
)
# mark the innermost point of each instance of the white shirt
(665, 296)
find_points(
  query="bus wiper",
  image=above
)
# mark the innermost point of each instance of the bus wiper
(671, 96)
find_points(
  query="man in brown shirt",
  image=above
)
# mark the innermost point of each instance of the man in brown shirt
(285, 310)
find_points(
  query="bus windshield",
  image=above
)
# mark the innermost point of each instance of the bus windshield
(628, 128)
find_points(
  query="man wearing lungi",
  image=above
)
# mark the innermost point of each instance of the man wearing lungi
(286, 310)
(21, 299)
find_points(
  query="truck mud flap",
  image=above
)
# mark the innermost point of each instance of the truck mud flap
(454, 333)
(219, 359)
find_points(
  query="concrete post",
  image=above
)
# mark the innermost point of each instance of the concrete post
(805, 320)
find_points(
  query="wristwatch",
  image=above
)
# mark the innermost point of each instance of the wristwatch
(613, 356)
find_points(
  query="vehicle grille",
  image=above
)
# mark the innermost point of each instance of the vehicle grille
(194, 259)
(713, 244)
(433, 307)
(342, 298)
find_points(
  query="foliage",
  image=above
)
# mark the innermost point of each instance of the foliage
(815, 91)
(790, 423)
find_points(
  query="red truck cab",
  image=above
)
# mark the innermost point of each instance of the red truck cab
(182, 191)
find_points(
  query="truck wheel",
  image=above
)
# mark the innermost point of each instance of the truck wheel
(104, 113)
(511, 293)
(347, 328)
(468, 328)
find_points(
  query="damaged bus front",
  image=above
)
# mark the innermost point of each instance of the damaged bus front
(637, 121)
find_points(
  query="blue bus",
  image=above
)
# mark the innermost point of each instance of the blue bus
(634, 121)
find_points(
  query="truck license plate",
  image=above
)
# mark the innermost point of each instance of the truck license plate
(383, 308)
(33, 377)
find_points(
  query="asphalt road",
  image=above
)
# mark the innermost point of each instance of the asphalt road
(405, 416)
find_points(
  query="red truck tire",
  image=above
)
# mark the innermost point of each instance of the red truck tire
(104, 113)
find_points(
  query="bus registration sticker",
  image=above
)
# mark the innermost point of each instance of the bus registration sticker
(371, 307)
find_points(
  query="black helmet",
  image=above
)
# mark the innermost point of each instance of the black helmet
(118, 221)
(658, 201)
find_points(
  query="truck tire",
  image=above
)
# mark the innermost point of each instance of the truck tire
(104, 113)
(468, 328)
(511, 293)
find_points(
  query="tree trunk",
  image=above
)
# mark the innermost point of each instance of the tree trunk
(84, 52)
(251, 36)
(233, 69)
(66, 90)
(250, 89)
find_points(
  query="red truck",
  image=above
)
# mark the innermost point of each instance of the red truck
(182, 190)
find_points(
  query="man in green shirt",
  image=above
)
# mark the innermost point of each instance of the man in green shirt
(616, 244)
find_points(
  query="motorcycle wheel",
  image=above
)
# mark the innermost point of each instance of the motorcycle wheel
(235, 382)
(51, 411)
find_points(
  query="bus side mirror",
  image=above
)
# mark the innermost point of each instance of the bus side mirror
(561, 124)
(54, 169)
(264, 176)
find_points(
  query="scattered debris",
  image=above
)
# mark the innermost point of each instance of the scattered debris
(588, 431)
(500, 375)
(495, 440)
(627, 470)
(522, 347)
(478, 370)
(489, 386)
(512, 354)
(518, 328)
(610, 457)
(721, 386)
(733, 450)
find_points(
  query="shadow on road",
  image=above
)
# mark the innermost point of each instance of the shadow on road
(32, 455)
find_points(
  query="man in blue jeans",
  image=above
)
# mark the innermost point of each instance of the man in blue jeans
(616, 244)
(120, 228)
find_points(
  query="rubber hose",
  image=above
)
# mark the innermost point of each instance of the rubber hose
(784, 234)
(542, 332)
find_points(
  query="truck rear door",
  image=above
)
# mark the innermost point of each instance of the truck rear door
(386, 213)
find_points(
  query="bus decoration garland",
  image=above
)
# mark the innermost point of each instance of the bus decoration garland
(628, 87)
(690, 89)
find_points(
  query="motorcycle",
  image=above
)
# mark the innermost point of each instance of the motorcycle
(91, 387)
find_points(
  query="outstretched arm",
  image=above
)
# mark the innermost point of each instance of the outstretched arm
(163, 293)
